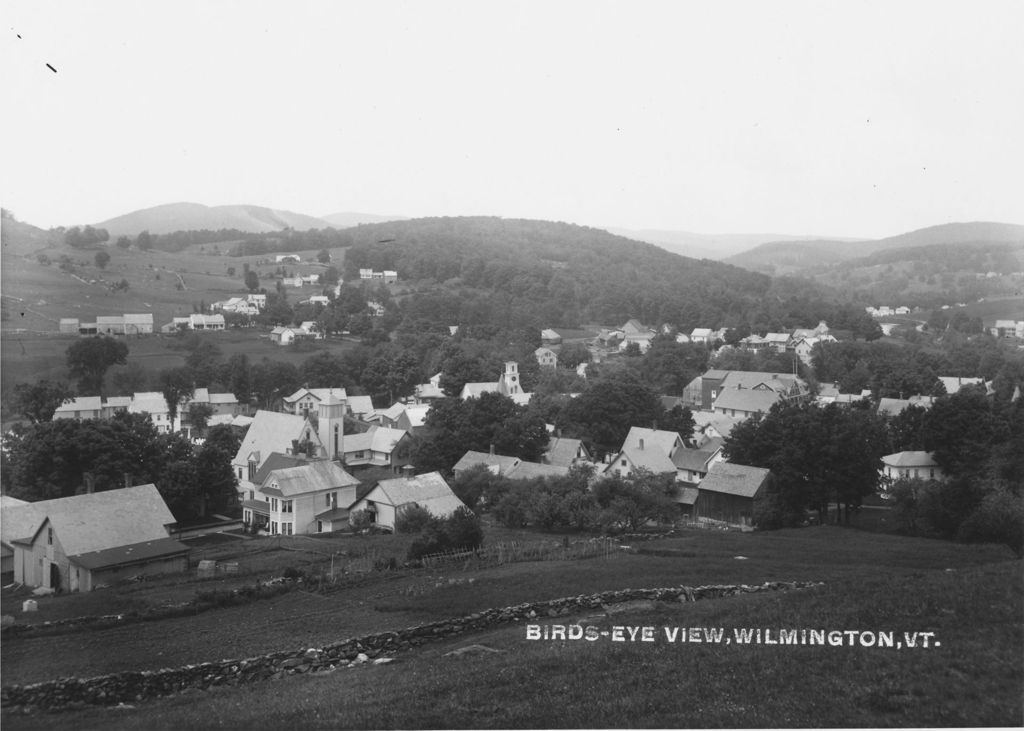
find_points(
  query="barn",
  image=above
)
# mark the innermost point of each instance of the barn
(728, 493)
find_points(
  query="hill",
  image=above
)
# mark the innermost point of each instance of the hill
(18, 238)
(798, 257)
(347, 219)
(707, 246)
(195, 216)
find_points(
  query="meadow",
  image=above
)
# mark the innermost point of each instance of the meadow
(969, 596)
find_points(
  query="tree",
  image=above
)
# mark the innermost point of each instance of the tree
(177, 386)
(199, 416)
(144, 241)
(961, 430)
(89, 359)
(572, 354)
(631, 502)
(678, 419)
(411, 518)
(323, 256)
(606, 411)
(252, 280)
(37, 401)
(102, 258)
(123, 242)
(330, 276)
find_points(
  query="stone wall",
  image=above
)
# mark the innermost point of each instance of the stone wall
(130, 687)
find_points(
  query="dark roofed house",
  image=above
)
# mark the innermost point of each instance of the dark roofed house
(566, 452)
(76, 543)
(497, 464)
(728, 492)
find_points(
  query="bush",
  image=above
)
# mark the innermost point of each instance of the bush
(360, 519)
(945, 505)
(459, 531)
(999, 518)
(411, 518)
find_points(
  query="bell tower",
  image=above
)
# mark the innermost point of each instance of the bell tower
(509, 383)
(331, 424)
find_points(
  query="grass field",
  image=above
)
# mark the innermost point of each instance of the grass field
(970, 596)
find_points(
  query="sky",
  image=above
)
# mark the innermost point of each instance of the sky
(852, 118)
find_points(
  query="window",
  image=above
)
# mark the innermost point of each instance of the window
(239, 473)
(252, 494)
(274, 504)
(286, 529)
(931, 473)
(360, 455)
(252, 470)
(623, 463)
(319, 526)
(49, 536)
(273, 528)
(286, 506)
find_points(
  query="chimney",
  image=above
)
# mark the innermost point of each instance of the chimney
(492, 450)
(127, 480)
(408, 471)
(90, 482)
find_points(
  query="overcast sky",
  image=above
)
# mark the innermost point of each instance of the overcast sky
(841, 118)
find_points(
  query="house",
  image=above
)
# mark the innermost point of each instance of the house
(83, 407)
(138, 324)
(701, 335)
(206, 322)
(566, 452)
(285, 335)
(366, 274)
(953, 384)
(728, 492)
(68, 325)
(693, 465)
(79, 542)
(376, 308)
(610, 338)
(237, 305)
(295, 281)
(804, 346)
(271, 432)
(380, 446)
(710, 425)
(911, 465)
(429, 491)
(258, 299)
(7, 503)
(307, 401)
(664, 441)
(546, 357)
(746, 402)
(507, 385)
(703, 391)
(550, 337)
(310, 278)
(633, 457)
(295, 496)
(496, 464)
(529, 470)
(115, 405)
(410, 417)
(319, 299)
(154, 404)
(830, 394)
(294, 258)
(431, 390)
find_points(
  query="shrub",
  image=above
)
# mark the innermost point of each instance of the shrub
(459, 531)
(360, 519)
(999, 518)
(411, 518)
(945, 505)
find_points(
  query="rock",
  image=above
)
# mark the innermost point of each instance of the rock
(383, 660)
(361, 658)
(472, 650)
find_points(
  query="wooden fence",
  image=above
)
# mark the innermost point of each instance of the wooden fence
(498, 554)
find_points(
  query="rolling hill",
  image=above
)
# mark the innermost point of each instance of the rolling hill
(347, 219)
(709, 246)
(195, 216)
(801, 257)
(18, 238)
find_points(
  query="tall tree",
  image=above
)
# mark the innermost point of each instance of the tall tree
(177, 386)
(37, 401)
(89, 359)
(605, 412)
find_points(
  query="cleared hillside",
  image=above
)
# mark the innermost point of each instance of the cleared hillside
(195, 216)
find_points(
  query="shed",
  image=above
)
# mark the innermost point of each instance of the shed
(728, 493)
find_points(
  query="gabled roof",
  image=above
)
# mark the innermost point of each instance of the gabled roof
(143, 319)
(700, 332)
(783, 382)
(428, 490)
(475, 390)
(152, 402)
(310, 477)
(654, 460)
(529, 470)
(893, 406)
(721, 423)
(471, 459)
(653, 439)
(953, 384)
(82, 403)
(96, 521)
(416, 414)
(776, 338)
(734, 479)
(563, 451)
(910, 459)
(271, 431)
(318, 393)
(277, 461)
(393, 411)
(133, 553)
(377, 438)
(694, 460)
(746, 400)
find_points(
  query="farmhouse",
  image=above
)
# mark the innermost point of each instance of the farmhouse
(746, 402)
(206, 322)
(911, 465)
(380, 446)
(77, 543)
(566, 452)
(286, 433)
(649, 449)
(429, 491)
(546, 357)
(296, 496)
(728, 492)
(307, 400)
(285, 335)
(83, 407)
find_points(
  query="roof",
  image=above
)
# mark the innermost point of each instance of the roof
(310, 477)
(143, 319)
(271, 431)
(893, 406)
(953, 384)
(910, 459)
(753, 379)
(658, 439)
(333, 514)
(277, 461)
(723, 424)
(377, 439)
(416, 414)
(82, 403)
(152, 402)
(700, 332)
(241, 420)
(360, 404)
(394, 411)
(746, 399)
(562, 451)
(472, 459)
(475, 390)
(734, 479)
(529, 470)
(133, 553)
(318, 393)
(654, 460)
(695, 460)
(428, 390)
(549, 334)
(687, 495)
(428, 490)
(95, 521)
(782, 338)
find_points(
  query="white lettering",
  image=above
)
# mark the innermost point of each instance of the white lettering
(617, 635)
(671, 633)
(714, 634)
(647, 634)
(533, 632)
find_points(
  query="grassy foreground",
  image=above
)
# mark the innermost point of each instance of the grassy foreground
(970, 598)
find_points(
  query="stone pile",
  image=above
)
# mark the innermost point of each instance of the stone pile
(131, 687)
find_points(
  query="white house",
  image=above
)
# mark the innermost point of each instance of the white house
(271, 432)
(911, 465)
(429, 491)
(295, 496)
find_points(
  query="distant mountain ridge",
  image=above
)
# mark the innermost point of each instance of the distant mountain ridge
(348, 219)
(195, 217)
(710, 246)
(794, 257)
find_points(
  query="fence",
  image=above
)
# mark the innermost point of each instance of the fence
(498, 554)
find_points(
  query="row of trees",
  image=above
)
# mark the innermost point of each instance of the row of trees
(53, 459)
